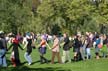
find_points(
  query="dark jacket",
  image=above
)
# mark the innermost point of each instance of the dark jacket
(77, 43)
(66, 44)
(3, 44)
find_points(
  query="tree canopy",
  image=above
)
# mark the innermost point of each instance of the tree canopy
(53, 16)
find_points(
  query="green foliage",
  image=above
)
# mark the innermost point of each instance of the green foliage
(68, 15)
(87, 65)
(13, 16)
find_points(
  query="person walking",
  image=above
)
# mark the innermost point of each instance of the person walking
(88, 47)
(43, 49)
(15, 52)
(76, 48)
(96, 43)
(3, 49)
(66, 49)
(28, 45)
(55, 50)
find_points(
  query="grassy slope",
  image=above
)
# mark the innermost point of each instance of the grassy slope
(88, 65)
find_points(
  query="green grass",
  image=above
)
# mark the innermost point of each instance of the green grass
(88, 65)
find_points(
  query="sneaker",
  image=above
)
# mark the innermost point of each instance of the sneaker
(29, 63)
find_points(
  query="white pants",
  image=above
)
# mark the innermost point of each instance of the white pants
(66, 56)
(88, 52)
(28, 57)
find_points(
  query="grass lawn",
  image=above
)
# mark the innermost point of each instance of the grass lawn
(88, 65)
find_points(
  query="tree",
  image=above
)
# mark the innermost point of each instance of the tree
(13, 16)
(53, 15)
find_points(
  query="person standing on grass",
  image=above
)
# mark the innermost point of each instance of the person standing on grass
(88, 47)
(96, 43)
(76, 47)
(15, 52)
(28, 45)
(83, 47)
(42, 49)
(55, 50)
(104, 48)
(66, 49)
(3, 48)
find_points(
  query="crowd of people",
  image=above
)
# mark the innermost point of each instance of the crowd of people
(80, 43)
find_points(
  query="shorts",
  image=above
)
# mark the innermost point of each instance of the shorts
(42, 50)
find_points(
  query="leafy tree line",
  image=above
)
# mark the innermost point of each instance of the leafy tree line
(53, 16)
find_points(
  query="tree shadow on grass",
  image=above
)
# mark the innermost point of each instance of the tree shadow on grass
(10, 63)
(35, 62)
(49, 61)
(24, 68)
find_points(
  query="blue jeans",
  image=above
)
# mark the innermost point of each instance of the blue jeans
(3, 58)
(97, 50)
(88, 51)
(28, 57)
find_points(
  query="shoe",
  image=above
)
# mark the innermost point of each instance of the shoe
(46, 61)
(14, 65)
(29, 63)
